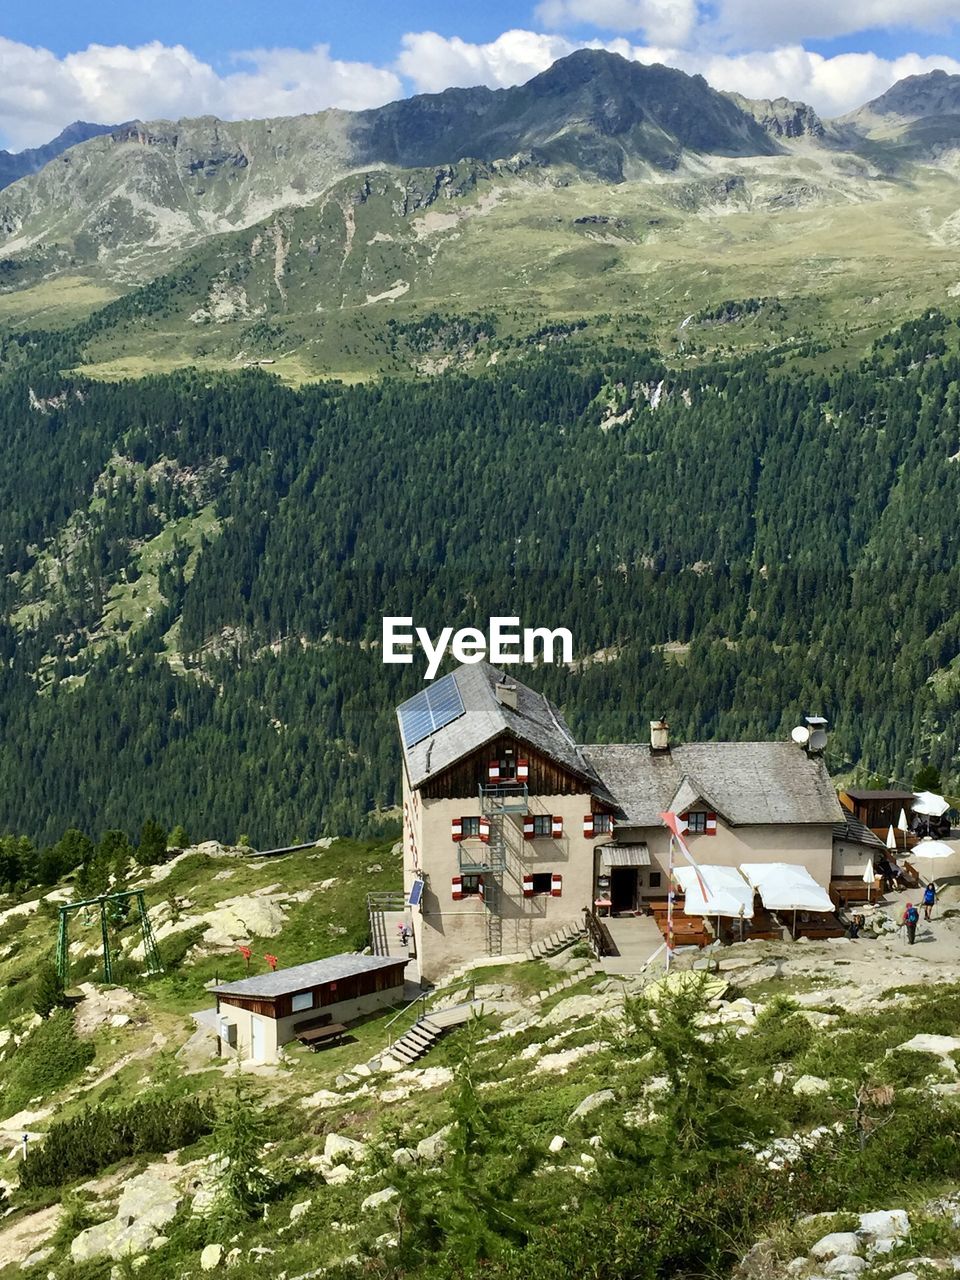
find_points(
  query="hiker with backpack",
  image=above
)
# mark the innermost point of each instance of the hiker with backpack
(929, 900)
(911, 918)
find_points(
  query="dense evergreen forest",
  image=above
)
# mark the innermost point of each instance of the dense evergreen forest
(195, 567)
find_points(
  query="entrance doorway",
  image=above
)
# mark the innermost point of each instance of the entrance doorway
(624, 889)
(258, 1040)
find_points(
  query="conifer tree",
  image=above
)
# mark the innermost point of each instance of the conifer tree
(243, 1184)
(48, 992)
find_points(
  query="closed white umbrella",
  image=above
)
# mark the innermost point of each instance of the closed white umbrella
(891, 837)
(868, 877)
(902, 823)
(930, 804)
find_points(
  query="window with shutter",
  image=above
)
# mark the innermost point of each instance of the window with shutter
(542, 882)
(542, 824)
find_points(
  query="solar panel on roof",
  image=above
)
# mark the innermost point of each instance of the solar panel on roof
(430, 710)
(416, 893)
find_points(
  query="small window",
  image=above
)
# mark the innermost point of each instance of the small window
(542, 824)
(542, 881)
(472, 885)
(302, 1000)
(654, 879)
(469, 828)
(697, 823)
(602, 824)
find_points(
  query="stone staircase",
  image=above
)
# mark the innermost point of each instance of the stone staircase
(552, 945)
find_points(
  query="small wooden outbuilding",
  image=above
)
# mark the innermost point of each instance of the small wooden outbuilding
(256, 1016)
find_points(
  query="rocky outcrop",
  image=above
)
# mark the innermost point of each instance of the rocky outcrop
(781, 118)
(147, 1203)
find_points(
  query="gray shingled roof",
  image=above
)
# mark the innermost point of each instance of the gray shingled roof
(536, 721)
(301, 976)
(747, 782)
(856, 833)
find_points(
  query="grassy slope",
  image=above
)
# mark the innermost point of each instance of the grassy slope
(312, 289)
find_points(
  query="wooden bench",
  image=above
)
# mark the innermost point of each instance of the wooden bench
(319, 1031)
(321, 1037)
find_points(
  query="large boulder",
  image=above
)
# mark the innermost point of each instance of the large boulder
(431, 1149)
(810, 1086)
(591, 1102)
(147, 1203)
(836, 1245)
(885, 1224)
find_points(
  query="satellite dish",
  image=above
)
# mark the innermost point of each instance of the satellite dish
(800, 735)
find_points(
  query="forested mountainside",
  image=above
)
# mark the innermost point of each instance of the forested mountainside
(195, 567)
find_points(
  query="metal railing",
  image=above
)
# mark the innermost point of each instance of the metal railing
(420, 1000)
(598, 935)
(506, 797)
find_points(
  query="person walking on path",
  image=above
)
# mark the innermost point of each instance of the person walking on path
(929, 900)
(911, 918)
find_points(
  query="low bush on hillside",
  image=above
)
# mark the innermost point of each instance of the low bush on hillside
(48, 1059)
(99, 1136)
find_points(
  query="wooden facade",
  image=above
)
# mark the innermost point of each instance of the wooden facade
(325, 993)
(464, 779)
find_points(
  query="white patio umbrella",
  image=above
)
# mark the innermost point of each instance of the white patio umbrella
(891, 838)
(930, 804)
(868, 878)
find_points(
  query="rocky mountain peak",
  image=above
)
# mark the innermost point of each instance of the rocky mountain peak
(781, 117)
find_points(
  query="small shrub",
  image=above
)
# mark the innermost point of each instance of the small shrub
(49, 1059)
(100, 1136)
(174, 947)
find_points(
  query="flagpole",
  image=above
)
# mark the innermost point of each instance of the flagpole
(670, 904)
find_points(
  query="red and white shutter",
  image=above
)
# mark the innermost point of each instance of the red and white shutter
(456, 829)
(711, 824)
(588, 826)
(523, 770)
(556, 828)
(528, 827)
(493, 771)
(612, 824)
(556, 886)
(528, 886)
(480, 887)
(456, 888)
(485, 830)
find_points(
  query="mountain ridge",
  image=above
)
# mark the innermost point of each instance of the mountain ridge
(18, 164)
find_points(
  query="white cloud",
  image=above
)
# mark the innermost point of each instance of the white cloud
(762, 23)
(831, 85)
(671, 21)
(40, 93)
(433, 62)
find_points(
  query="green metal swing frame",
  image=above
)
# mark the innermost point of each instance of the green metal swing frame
(151, 954)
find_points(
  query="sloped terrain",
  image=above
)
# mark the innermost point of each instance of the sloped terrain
(805, 1071)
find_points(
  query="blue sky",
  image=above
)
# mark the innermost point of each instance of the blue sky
(109, 61)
